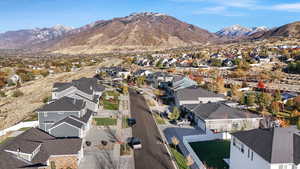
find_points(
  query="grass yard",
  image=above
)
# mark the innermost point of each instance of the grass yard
(105, 121)
(180, 159)
(25, 128)
(111, 103)
(159, 119)
(213, 152)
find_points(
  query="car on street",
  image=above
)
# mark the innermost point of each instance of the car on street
(131, 122)
(135, 143)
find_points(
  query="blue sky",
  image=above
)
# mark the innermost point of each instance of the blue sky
(208, 14)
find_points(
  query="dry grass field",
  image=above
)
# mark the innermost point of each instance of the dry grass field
(14, 110)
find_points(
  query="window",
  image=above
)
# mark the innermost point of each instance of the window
(248, 152)
(252, 156)
(242, 148)
(45, 114)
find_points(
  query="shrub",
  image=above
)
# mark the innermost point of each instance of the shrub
(17, 93)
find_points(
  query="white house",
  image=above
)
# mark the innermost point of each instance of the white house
(219, 117)
(274, 148)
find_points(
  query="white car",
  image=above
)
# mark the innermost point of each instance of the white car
(135, 143)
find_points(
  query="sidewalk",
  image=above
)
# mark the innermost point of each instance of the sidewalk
(124, 162)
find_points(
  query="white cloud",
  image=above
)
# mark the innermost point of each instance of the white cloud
(289, 7)
(217, 10)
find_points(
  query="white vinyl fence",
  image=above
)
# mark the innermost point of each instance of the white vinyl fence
(19, 126)
(204, 137)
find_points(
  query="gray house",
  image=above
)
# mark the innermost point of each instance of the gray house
(196, 95)
(35, 149)
(65, 117)
(87, 89)
(219, 117)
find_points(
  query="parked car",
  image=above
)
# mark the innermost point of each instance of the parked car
(135, 143)
(183, 122)
(131, 122)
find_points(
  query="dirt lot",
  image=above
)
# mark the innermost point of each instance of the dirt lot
(14, 110)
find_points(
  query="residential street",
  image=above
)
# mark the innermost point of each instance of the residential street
(153, 155)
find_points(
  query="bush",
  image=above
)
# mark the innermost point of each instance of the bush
(17, 93)
(2, 94)
(47, 99)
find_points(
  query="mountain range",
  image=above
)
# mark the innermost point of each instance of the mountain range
(238, 31)
(138, 31)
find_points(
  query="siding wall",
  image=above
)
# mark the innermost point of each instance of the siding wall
(47, 119)
(65, 130)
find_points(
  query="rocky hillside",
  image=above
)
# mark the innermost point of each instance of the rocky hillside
(29, 38)
(138, 31)
(288, 30)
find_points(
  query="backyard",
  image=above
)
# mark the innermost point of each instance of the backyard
(212, 153)
(110, 100)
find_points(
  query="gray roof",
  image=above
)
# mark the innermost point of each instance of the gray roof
(64, 104)
(49, 146)
(275, 145)
(86, 85)
(86, 117)
(72, 120)
(194, 92)
(218, 111)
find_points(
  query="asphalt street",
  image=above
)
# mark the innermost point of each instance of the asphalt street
(153, 154)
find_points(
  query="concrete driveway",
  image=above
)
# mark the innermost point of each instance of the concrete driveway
(98, 156)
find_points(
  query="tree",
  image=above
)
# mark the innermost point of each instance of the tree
(235, 93)
(275, 107)
(175, 141)
(250, 99)
(125, 89)
(298, 123)
(277, 95)
(175, 114)
(290, 104)
(189, 160)
(219, 85)
(264, 100)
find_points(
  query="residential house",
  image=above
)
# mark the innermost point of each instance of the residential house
(196, 95)
(220, 117)
(160, 79)
(65, 117)
(87, 89)
(272, 148)
(35, 149)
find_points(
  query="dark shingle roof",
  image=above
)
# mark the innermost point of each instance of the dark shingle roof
(86, 117)
(72, 120)
(275, 145)
(86, 85)
(64, 104)
(49, 146)
(218, 111)
(193, 93)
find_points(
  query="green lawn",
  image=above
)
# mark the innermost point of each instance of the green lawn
(213, 152)
(113, 93)
(110, 105)
(159, 119)
(105, 121)
(179, 158)
(24, 128)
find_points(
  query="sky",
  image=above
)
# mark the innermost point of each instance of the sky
(208, 14)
